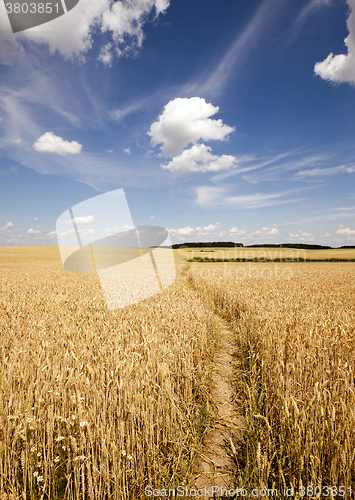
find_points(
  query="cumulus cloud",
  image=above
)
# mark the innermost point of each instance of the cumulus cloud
(7, 226)
(206, 230)
(127, 150)
(33, 231)
(198, 231)
(303, 236)
(89, 219)
(268, 231)
(222, 234)
(235, 231)
(185, 121)
(199, 159)
(72, 34)
(53, 144)
(183, 231)
(346, 231)
(209, 228)
(341, 67)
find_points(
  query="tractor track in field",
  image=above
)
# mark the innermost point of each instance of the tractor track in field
(217, 465)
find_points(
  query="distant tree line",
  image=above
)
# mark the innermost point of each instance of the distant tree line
(292, 245)
(220, 244)
(208, 244)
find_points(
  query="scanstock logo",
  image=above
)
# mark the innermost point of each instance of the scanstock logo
(26, 14)
(133, 263)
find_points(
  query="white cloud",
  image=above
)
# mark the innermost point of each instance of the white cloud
(72, 34)
(7, 226)
(341, 67)
(311, 8)
(209, 194)
(16, 141)
(269, 231)
(273, 231)
(302, 237)
(106, 55)
(134, 106)
(212, 227)
(36, 218)
(89, 219)
(109, 150)
(53, 144)
(345, 230)
(185, 121)
(52, 234)
(205, 230)
(218, 197)
(33, 231)
(127, 150)
(152, 217)
(235, 60)
(65, 233)
(127, 227)
(183, 231)
(10, 49)
(327, 171)
(236, 231)
(199, 159)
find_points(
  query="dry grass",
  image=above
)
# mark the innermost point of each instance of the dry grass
(97, 404)
(298, 342)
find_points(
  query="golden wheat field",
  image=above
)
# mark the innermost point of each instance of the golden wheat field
(296, 329)
(268, 253)
(98, 404)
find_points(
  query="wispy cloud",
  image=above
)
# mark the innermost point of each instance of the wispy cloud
(218, 197)
(236, 56)
(134, 106)
(307, 11)
(316, 172)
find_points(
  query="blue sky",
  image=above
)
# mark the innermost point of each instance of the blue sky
(220, 119)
